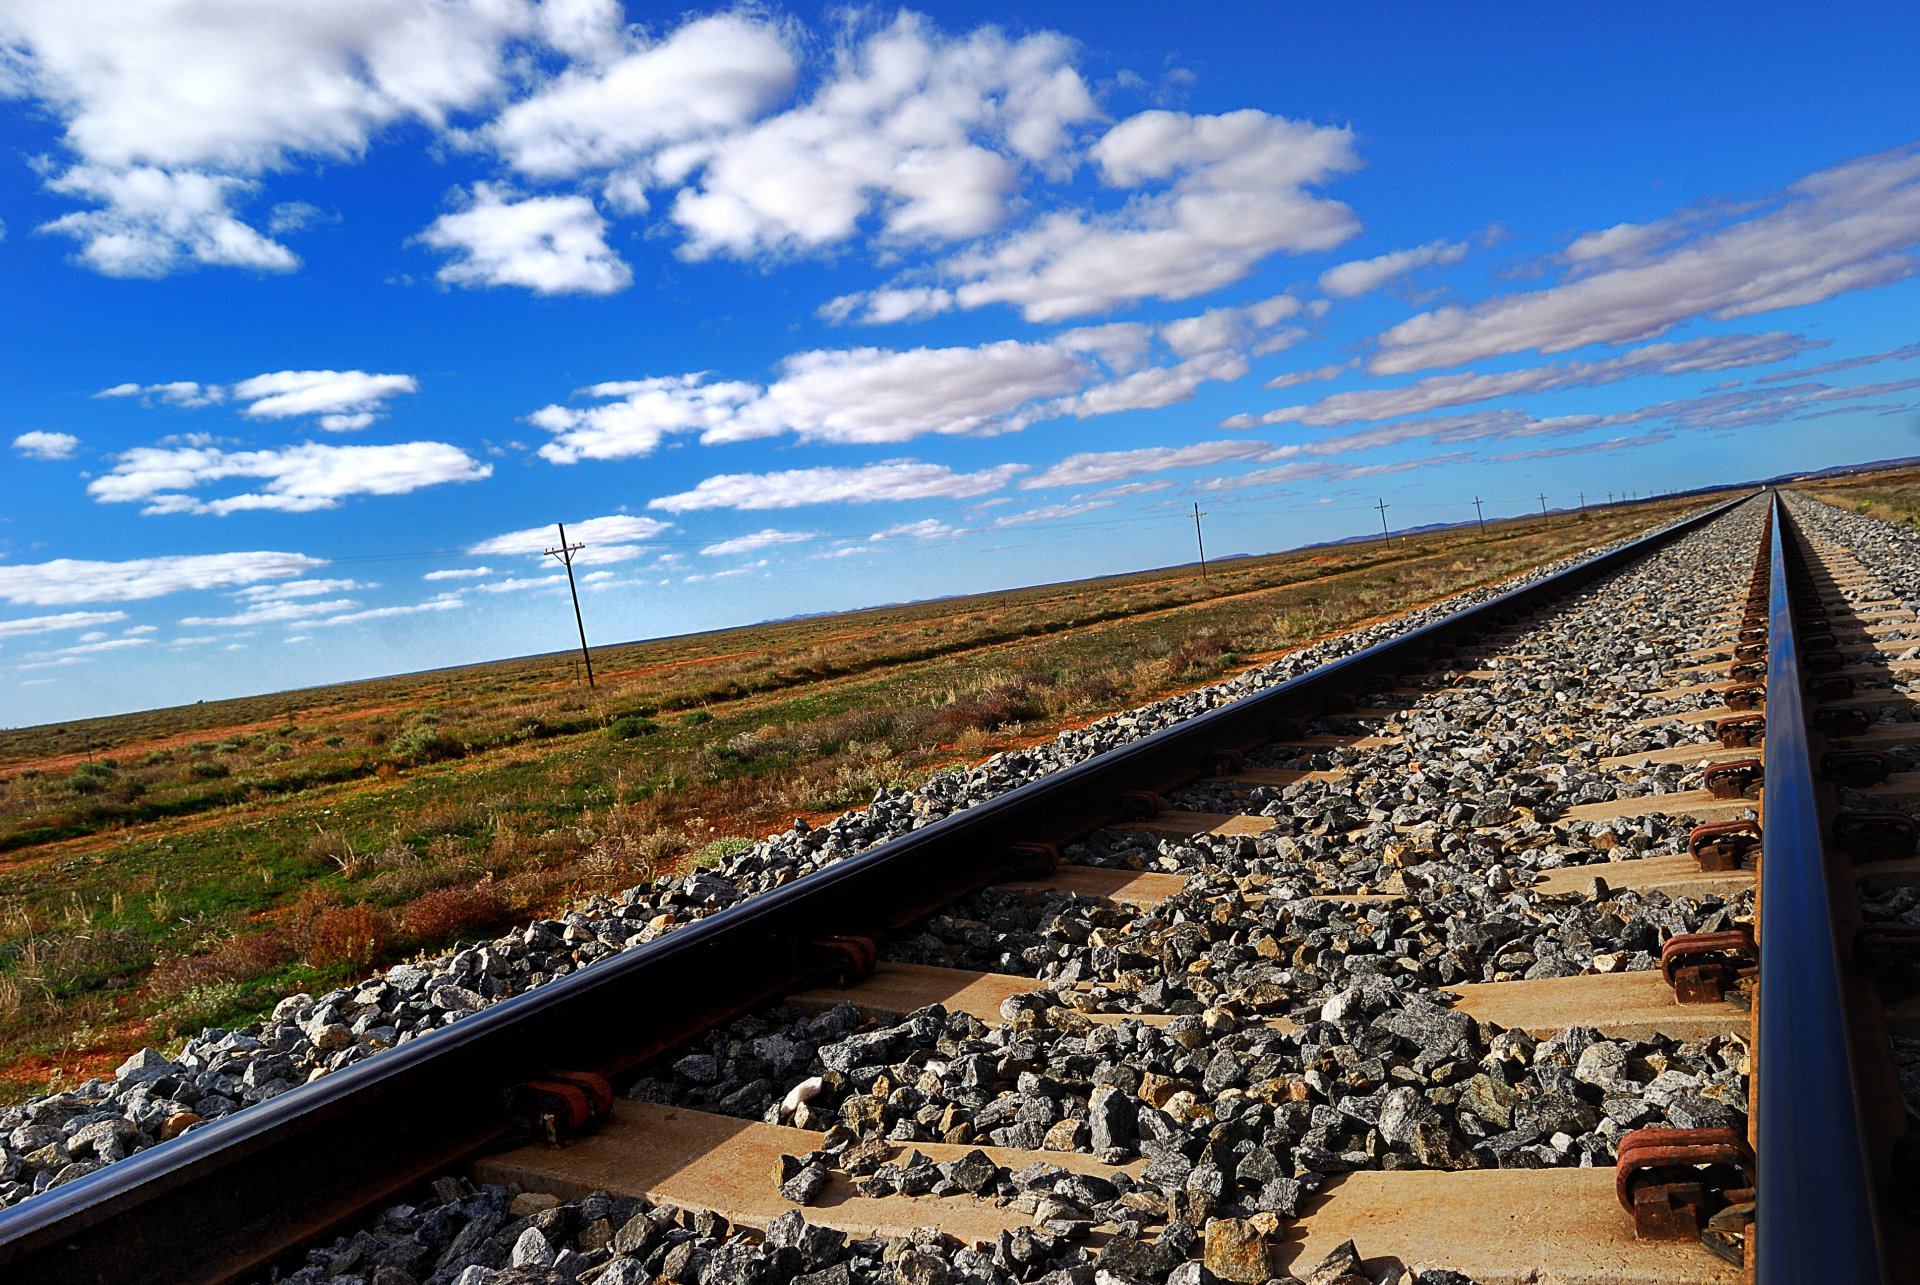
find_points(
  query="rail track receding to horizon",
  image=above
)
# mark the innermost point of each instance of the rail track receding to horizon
(1565, 933)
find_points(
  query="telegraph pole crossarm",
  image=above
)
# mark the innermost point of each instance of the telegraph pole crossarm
(1385, 534)
(1479, 512)
(565, 553)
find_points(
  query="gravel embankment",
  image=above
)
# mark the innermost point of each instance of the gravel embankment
(1312, 1037)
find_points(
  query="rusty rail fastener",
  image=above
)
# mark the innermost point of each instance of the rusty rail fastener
(1286, 730)
(841, 961)
(1700, 966)
(1888, 951)
(1748, 697)
(1031, 860)
(1673, 1180)
(1733, 779)
(1747, 671)
(1841, 722)
(1225, 762)
(1724, 845)
(1822, 688)
(1874, 836)
(1138, 805)
(560, 1105)
(1855, 768)
(1742, 731)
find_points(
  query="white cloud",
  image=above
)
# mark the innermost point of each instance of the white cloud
(924, 529)
(1709, 353)
(880, 395)
(156, 221)
(1362, 276)
(269, 613)
(459, 573)
(615, 538)
(1903, 353)
(42, 445)
(521, 584)
(173, 109)
(444, 602)
(710, 77)
(343, 399)
(1052, 513)
(1235, 191)
(891, 480)
(179, 392)
(924, 133)
(757, 541)
(65, 620)
(548, 244)
(646, 410)
(1095, 468)
(69, 580)
(297, 589)
(1850, 227)
(298, 478)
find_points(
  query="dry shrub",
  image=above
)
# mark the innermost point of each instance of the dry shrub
(445, 913)
(239, 959)
(357, 934)
(1015, 700)
(1202, 652)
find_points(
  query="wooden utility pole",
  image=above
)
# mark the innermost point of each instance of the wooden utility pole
(1385, 535)
(565, 553)
(1479, 513)
(1543, 504)
(1199, 539)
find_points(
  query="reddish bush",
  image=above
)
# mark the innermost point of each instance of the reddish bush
(356, 934)
(240, 959)
(460, 911)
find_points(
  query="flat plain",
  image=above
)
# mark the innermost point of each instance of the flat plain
(183, 867)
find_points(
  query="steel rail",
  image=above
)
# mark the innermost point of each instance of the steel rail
(226, 1199)
(1815, 1216)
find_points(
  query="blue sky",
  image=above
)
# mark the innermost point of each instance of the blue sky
(318, 317)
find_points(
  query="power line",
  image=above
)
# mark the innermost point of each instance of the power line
(565, 553)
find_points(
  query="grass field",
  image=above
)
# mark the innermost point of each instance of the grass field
(1893, 495)
(177, 868)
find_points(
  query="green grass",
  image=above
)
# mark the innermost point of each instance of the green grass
(187, 876)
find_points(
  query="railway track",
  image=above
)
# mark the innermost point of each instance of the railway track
(1408, 965)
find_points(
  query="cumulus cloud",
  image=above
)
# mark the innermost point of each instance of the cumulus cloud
(270, 613)
(1847, 228)
(794, 488)
(757, 541)
(443, 602)
(22, 626)
(924, 529)
(179, 392)
(709, 77)
(923, 133)
(339, 400)
(1363, 276)
(68, 580)
(297, 478)
(1213, 196)
(459, 573)
(42, 445)
(880, 395)
(547, 244)
(153, 222)
(297, 589)
(1691, 356)
(342, 399)
(1094, 468)
(616, 538)
(172, 110)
